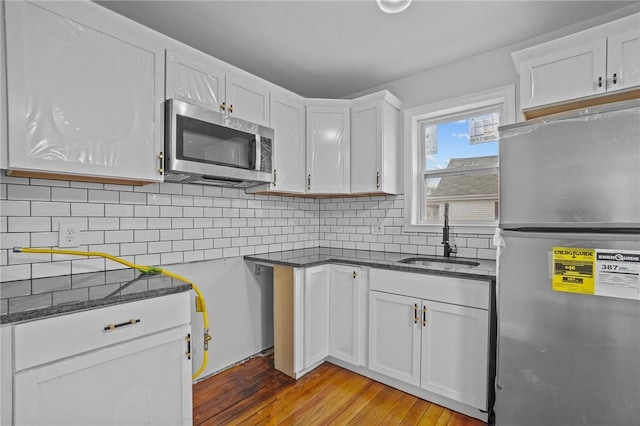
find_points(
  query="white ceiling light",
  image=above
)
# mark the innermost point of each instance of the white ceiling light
(393, 6)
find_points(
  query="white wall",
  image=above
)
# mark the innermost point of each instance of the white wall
(240, 309)
(478, 73)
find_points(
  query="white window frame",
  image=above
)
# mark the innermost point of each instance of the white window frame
(503, 98)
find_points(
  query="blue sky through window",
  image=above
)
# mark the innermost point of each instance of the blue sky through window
(453, 142)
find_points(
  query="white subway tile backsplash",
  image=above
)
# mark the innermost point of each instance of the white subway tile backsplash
(152, 199)
(159, 247)
(50, 209)
(99, 196)
(192, 190)
(133, 248)
(148, 259)
(69, 194)
(146, 211)
(119, 210)
(87, 209)
(28, 224)
(181, 200)
(159, 223)
(171, 223)
(14, 273)
(111, 237)
(194, 256)
(169, 258)
(52, 269)
(103, 223)
(133, 223)
(146, 235)
(91, 237)
(27, 192)
(43, 239)
(16, 208)
(87, 265)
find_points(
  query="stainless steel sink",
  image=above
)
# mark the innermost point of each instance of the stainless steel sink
(440, 262)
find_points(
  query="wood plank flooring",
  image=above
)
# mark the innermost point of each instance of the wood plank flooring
(254, 393)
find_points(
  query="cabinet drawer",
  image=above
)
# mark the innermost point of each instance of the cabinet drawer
(42, 341)
(454, 290)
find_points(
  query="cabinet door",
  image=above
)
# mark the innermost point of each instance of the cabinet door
(3, 99)
(316, 315)
(6, 374)
(195, 78)
(344, 332)
(623, 61)
(287, 121)
(366, 146)
(247, 97)
(394, 336)
(328, 152)
(569, 74)
(455, 352)
(85, 92)
(139, 382)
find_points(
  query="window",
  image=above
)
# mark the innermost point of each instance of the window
(452, 160)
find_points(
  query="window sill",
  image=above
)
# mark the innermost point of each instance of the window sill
(489, 229)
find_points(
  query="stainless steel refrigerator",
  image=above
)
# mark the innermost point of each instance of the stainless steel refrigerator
(568, 295)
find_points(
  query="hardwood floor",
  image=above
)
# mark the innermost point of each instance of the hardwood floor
(254, 393)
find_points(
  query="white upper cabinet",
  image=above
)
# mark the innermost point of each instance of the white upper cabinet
(586, 65)
(376, 151)
(202, 80)
(85, 92)
(328, 146)
(623, 60)
(568, 74)
(287, 116)
(195, 78)
(247, 97)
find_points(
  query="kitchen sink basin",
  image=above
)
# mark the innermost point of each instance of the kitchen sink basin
(440, 262)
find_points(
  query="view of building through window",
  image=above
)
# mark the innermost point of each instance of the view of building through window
(460, 168)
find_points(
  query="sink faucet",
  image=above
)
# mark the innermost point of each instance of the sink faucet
(448, 249)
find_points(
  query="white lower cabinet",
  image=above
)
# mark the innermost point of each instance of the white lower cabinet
(454, 351)
(344, 315)
(425, 334)
(394, 336)
(439, 347)
(136, 372)
(6, 375)
(316, 314)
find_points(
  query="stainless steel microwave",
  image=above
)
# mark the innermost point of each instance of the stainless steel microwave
(207, 147)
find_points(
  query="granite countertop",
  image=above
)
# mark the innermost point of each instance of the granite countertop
(303, 258)
(41, 297)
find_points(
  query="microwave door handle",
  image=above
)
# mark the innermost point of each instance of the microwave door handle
(258, 153)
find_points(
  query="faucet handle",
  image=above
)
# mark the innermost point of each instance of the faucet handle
(454, 249)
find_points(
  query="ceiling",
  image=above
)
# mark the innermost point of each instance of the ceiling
(334, 49)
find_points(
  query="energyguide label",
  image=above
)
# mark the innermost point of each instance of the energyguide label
(600, 272)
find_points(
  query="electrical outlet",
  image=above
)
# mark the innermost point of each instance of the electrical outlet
(69, 235)
(377, 228)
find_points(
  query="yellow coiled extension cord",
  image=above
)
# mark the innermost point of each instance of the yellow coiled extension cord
(200, 305)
